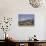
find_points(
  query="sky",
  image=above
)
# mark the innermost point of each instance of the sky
(23, 17)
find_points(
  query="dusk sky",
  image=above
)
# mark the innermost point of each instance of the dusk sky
(23, 17)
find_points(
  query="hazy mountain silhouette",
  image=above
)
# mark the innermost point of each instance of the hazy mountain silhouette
(26, 22)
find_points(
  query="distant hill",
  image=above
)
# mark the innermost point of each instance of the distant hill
(26, 22)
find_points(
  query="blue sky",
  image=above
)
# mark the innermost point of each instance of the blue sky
(23, 17)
